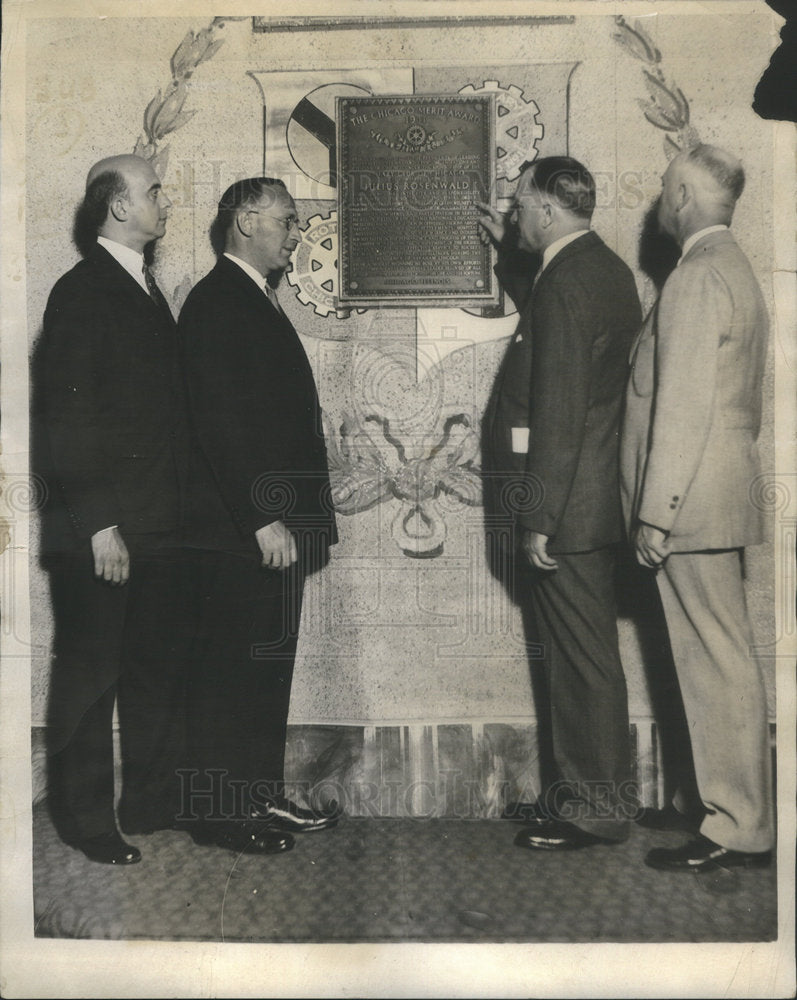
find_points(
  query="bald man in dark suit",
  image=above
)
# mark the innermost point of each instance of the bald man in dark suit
(112, 448)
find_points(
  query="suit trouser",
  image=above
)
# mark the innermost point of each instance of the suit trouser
(723, 694)
(240, 684)
(576, 619)
(124, 645)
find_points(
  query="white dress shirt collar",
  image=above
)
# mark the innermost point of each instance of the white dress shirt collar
(689, 243)
(253, 273)
(553, 249)
(131, 260)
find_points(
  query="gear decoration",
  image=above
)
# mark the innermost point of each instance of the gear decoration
(517, 128)
(315, 266)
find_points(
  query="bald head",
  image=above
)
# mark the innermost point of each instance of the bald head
(124, 201)
(700, 188)
(123, 164)
(720, 174)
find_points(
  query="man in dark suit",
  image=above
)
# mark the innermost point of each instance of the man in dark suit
(259, 518)
(111, 431)
(555, 419)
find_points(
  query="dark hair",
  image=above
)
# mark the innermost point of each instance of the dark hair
(92, 212)
(237, 195)
(725, 169)
(567, 181)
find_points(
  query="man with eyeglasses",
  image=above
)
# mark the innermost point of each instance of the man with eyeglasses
(553, 424)
(259, 518)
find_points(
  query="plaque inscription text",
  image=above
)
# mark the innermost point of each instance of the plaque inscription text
(409, 171)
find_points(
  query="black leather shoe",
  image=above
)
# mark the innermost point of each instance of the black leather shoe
(109, 849)
(668, 818)
(557, 835)
(701, 855)
(282, 814)
(243, 838)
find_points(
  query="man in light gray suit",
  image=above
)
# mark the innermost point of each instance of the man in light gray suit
(689, 457)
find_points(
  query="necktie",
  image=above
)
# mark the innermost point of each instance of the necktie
(272, 294)
(152, 288)
(156, 294)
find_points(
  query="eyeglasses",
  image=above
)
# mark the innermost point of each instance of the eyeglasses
(524, 207)
(289, 221)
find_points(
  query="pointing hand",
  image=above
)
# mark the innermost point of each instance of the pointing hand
(492, 224)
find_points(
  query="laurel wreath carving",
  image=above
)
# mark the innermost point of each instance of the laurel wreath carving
(164, 113)
(668, 108)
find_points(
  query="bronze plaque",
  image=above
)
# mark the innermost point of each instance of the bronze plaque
(410, 169)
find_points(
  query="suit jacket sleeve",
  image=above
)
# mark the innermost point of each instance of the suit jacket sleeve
(694, 314)
(236, 406)
(515, 270)
(559, 397)
(72, 358)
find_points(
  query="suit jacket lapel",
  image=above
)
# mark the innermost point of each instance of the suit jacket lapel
(646, 329)
(649, 323)
(162, 303)
(276, 319)
(244, 283)
(116, 276)
(588, 241)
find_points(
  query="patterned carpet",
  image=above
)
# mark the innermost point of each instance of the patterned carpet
(394, 880)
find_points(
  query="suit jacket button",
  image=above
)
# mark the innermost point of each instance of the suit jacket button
(672, 506)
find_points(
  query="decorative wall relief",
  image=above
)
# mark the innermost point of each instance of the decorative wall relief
(475, 770)
(164, 113)
(311, 132)
(517, 128)
(369, 465)
(299, 136)
(667, 107)
(428, 467)
(425, 464)
(314, 270)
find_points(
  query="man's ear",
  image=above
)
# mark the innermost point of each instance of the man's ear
(684, 196)
(243, 222)
(547, 214)
(118, 208)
